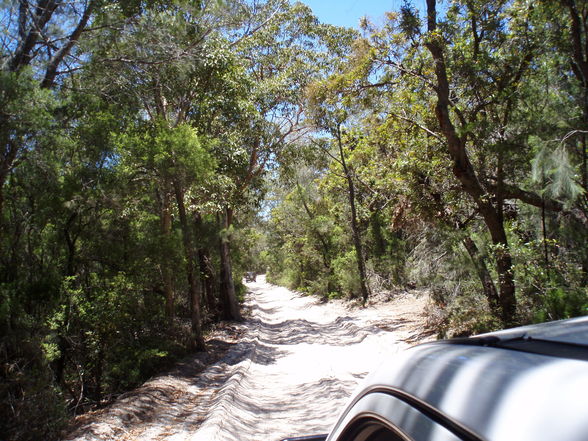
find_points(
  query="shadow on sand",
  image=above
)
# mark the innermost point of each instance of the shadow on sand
(217, 396)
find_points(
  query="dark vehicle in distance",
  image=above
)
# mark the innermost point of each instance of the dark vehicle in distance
(523, 384)
(250, 276)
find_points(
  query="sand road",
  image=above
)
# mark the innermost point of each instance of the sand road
(287, 370)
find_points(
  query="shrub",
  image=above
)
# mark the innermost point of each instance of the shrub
(345, 272)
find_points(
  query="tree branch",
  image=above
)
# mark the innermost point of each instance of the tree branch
(55, 61)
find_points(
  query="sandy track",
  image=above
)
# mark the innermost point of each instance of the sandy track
(287, 370)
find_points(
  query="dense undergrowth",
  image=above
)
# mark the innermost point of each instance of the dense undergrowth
(151, 152)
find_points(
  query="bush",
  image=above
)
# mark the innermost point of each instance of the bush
(346, 273)
(560, 303)
(460, 310)
(31, 408)
(551, 289)
(320, 287)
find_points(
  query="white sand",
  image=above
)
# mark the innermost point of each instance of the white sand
(290, 370)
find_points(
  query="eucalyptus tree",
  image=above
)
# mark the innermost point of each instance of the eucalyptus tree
(575, 46)
(282, 47)
(473, 68)
(39, 49)
(288, 52)
(174, 68)
(560, 166)
(496, 105)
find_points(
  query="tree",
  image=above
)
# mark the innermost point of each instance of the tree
(465, 172)
(202, 85)
(40, 39)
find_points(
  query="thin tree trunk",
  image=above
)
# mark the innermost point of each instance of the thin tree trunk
(166, 274)
(8, 158)
(484, 275)
(207, 280)
(544, 227)
(206, 272)
(325, 247)
(354, 224)
(584, 155)
(229, 298)
(58, 365)
(465, 173)
(197, 341)
(97, 373)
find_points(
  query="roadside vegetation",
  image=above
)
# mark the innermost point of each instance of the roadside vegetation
(153, 151)
(452, 143)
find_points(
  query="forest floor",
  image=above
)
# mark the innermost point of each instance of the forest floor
(287, 370)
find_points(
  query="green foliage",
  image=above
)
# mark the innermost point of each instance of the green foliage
(554, 173)
(467, 314)
(551, 289)
(178, 107)
(171, 153)
(116, 334)
(26, 389)
(345, 272)
(25, 106)
(561, 303)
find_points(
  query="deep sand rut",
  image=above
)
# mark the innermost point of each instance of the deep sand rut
(287, 370)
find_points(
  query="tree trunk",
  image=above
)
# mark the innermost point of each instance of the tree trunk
(325, 251)
(58, 365)
(197, 341)
(230, 306)
(206, 272)
(59, 56)
(166, 273)
(354, 224)
(579, 65)
(484, 275)
(466, 174)
(8, 158)
(207, 280)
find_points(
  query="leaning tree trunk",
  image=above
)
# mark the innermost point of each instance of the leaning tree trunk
(230, 305)
(197, 341)
(464, 171)
(354, 224)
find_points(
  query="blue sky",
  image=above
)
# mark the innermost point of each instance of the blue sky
(348, 12)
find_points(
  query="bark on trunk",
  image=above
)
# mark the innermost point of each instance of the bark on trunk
(354, 224)
(166, 274)
(325, 251)
(484, 275)
(58, 365)
(466, 174)
(579, 64)
(197, 341)
(29, 37)
(207, 279)
(230, 305)
(59, 56)
(206, 271)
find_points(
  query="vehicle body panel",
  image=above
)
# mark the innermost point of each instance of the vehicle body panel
(477, 390)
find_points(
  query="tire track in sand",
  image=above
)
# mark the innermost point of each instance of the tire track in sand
(288, 371)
